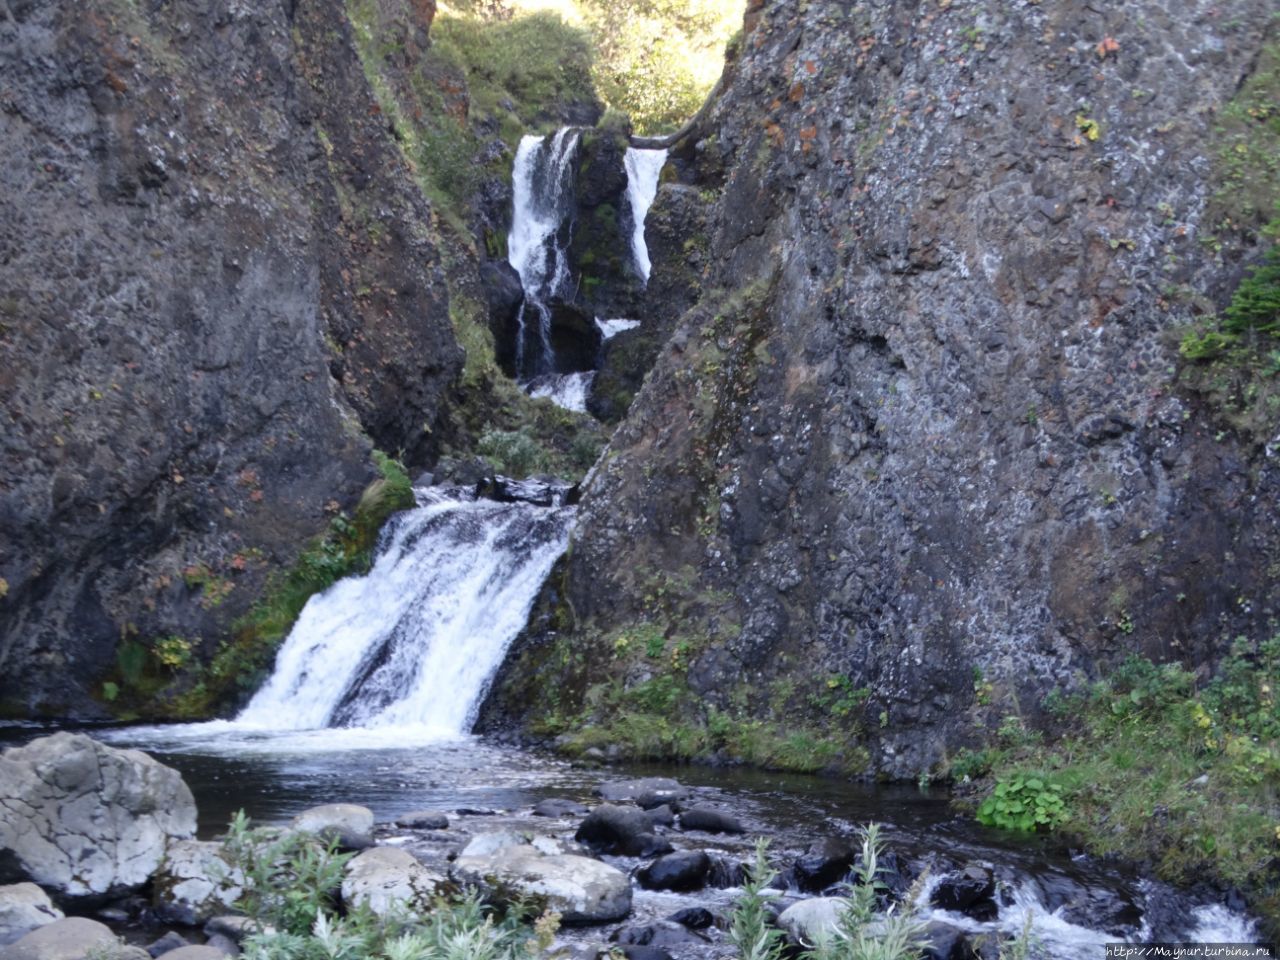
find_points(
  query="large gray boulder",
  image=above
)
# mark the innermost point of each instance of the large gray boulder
(23, 907)
(809, 921)
(349, 823)
(87, 820)
(195, 882)
(387, 878)
(71, 939)
(581, 890)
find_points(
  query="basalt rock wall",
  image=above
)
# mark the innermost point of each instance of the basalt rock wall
(219, 288)
(924, 434)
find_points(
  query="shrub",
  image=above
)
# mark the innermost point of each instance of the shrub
(1024, 803)
(512, 452)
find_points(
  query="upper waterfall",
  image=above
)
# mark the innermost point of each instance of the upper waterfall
(643, 169)
(542, 201)
(416, 641)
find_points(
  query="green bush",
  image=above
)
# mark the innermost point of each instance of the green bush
(1255, 306)
(1024, 803)
(512, 452)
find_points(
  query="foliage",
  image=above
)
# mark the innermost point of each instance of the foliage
(289, 883)
(1161, 768)
(512, 452)
(1255, 306)
(1235, 357)
(750, 930)
(290, 877)
(658, 59)
(1024, 803)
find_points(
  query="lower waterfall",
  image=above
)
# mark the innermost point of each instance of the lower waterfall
(416, 641)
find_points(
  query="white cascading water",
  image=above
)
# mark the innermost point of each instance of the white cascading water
(643, 169)
(542, 196)
(416, 641)
(568, 390)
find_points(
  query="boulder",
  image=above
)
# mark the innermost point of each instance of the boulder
(224, 945)
(824, 863)
(350, 824)
(386, 877)
(423, 820)
(72, 938)
(23, 907)
(695, 918)
(637, 952)
(232, 927)
(621, 830)
(945, 942)
(660, 933)
(661, 816)
(616, 791)
(971, 892)
(559, 807)
(169, 942)
(581, 890)
(808, 921)
(710, 820)
(195, 883)
(87, 820)
(195, 952)
(682, 870)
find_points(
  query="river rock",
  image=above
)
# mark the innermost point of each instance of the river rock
(559, 807)
(661, 816)
(196, 952)
(386, 877)
(971, 892)
(683, 870)
(710, 820)
(581, 890)
(695, 918)
(657, 790)
(824, 862)
(69, 939)
(232, 927)
(945, 942)
(85, 819)
(350, 823)
(660, 933)
(809, 920)
(169, 942)
(195, 882)
(639, 952)
(223, 945)
(23, 907)
(423, 820)
(621, 830)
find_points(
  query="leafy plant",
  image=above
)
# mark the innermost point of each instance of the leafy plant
(862, 932)
(1024, 803)
(750, 930)
(512, 452)
(289, 878)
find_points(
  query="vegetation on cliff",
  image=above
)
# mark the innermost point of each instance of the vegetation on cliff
(1156, 766)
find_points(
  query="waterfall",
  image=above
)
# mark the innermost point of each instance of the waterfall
(643, 168)
(416, 641)
(542, 200)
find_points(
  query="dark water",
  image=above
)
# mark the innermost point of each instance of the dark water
(1077, 904)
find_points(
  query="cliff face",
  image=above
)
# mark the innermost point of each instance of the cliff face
(219, 285)
(923, 435)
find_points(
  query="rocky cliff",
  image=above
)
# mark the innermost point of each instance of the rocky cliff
(921, 454)
(220, 289)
